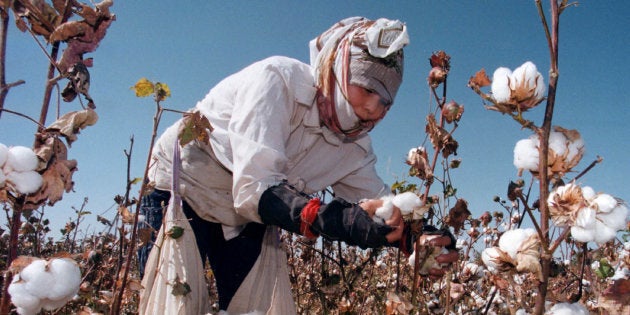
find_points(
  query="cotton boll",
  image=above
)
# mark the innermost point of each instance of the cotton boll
(500, 85)
(558, 142)
(37, 279)
(586, 218)
(583, 235)
(511, 240)
(4, 153)
(489, 257)
(615, 219)
(407, 202)
(21, 159)
(588, 192)
(575, 147)
(23, 299)
(605, 202)
(526, 155)
(68, 270)
(25, 182)
(384, 212)
(603, 233)
(527, 73)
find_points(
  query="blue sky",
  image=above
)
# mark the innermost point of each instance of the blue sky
(192, 45)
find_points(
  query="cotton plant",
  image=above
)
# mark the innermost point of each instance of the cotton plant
(18, 166)
(43, 284)
(566, 148)
(592, 217)
(518, 250)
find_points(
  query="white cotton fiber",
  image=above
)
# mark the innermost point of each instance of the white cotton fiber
(558, 142)
(511, 240)
(21, 159)
(384, 212)
(4, 152)
(489, 256)
(48, 284)
(500, 85)
(583, 235)
(603, 233)
(616, 218)
(38, 280)
(588, 192)
(568, 309)
(526, 155)
(21, 298)
(605, 202)
(26, 182)
(586, 218)
(68, 270)
(407, 202)
(575, 147)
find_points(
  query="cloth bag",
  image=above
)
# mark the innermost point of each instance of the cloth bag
(174, 282)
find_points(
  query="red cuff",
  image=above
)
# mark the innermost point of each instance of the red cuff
(308, 216)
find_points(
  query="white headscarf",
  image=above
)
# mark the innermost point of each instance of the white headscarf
(356, 51)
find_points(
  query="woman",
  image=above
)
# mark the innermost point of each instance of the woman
(284, 130)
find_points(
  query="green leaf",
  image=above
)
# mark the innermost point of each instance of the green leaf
(175, 232)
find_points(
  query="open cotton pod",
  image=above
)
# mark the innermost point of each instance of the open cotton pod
(20, 159)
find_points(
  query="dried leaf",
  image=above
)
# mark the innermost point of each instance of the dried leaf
(180, 288)
(143, 88)
(480, 79)
(195, 126)
(125, 214)
(144, 236)
(70, 124)
(57, 179)
(458, 215)
(20, 263)
(440, 59)
(614, 299)
(134, 285)
(68, 30)
(162, 91)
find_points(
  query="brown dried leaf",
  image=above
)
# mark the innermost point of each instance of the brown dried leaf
(480, 79)
(70, 124)
(614, 299)
(458, 215)
(88, 42)
(125, 214)
(57, 179)
(440, 138)
(68, 30)
(194, 126)
(440, 59)
(19, 263)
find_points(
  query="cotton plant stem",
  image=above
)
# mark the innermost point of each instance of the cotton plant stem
(552, 39)
(116, 304)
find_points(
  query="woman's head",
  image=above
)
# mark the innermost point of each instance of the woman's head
(355, 62)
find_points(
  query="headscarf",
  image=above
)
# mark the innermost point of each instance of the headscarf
(356, 51)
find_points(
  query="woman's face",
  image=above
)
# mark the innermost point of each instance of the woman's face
(368, 105)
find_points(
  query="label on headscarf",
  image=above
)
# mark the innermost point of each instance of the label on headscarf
(385, 37)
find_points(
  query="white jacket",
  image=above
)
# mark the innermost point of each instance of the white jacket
(266, 129)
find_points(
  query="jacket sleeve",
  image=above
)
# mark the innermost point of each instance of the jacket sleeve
(284, 206)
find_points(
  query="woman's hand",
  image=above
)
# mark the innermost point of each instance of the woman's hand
(395, 221)
(446, 258)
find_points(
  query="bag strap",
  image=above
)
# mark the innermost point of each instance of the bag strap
(175, 172)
